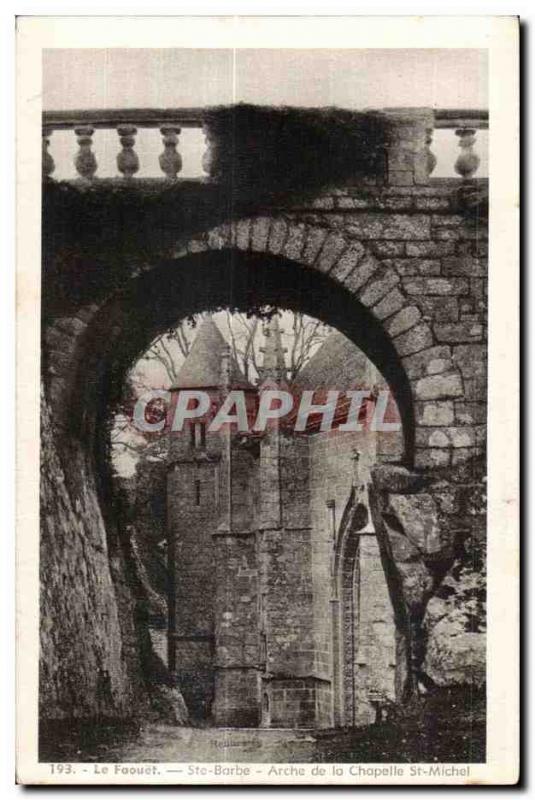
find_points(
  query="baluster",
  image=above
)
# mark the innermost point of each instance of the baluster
(47, 162)
(467, 160)
(170, 160)
(208, 157)
(431, 157)
(127, 160)
(84, 160)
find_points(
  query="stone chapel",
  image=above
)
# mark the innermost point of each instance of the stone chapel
(278, 610)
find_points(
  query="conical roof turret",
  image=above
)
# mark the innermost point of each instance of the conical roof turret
(202, 368)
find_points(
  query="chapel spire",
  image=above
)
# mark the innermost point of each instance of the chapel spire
(273, 362)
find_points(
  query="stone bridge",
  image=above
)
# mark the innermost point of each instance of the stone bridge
(333, 214)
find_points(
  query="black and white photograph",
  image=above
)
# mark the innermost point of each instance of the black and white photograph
(264, 434)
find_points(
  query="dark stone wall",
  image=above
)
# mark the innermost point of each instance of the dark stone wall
(91, 655)
(196, 499)
(237, 656)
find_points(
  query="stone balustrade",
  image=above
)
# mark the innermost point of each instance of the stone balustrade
(408, 158)
(126, 123)
(465, 124)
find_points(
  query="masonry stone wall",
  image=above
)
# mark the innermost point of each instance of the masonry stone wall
(196, 490)
(195, 517)
(237, 657)
(89, 647)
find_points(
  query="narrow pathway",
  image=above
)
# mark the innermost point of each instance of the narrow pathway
(162, 743)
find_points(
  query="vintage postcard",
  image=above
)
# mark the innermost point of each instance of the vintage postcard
(268, 390)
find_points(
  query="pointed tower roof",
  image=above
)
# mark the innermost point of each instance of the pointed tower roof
(273, 361)
(337, 364)
(202, 368)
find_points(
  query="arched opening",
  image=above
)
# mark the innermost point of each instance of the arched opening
(364, 656)
(207, 282)
(265, 710)
(242, 281)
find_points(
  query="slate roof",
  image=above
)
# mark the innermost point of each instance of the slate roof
(338, 364)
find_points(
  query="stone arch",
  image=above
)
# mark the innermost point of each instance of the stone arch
(401, 341)
(204, 279)
(435, 380)
(311, 267)
(389, 328)
(345, 576)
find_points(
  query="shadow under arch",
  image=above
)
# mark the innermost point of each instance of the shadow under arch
(156, 299)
